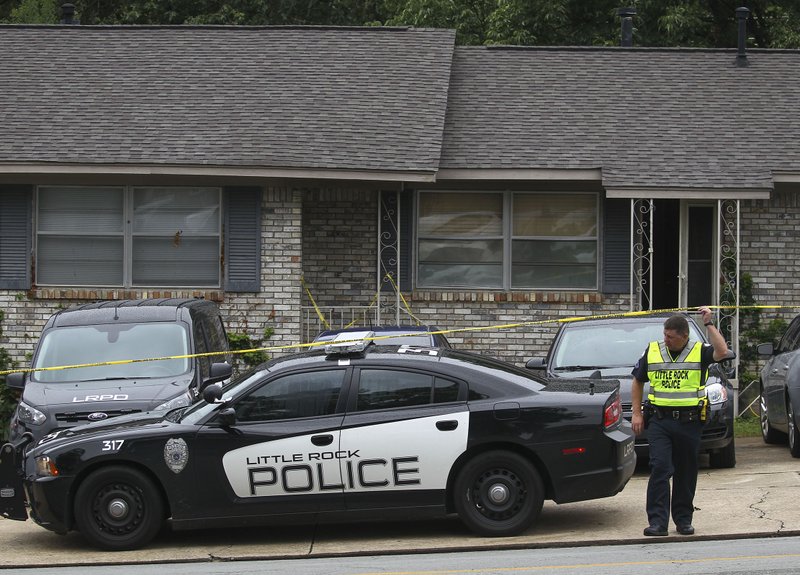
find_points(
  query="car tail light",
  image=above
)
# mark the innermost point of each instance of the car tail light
(612, 413)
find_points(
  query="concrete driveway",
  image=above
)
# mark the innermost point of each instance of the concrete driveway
(757, 498)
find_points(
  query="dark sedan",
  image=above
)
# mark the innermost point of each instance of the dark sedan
(610, 347)
(780, 389)
(351, 432)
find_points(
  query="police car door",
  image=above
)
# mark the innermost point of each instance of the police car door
(403, 431)
(279, 455)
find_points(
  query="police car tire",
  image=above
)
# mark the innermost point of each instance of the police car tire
(498, 494)
(129, 494)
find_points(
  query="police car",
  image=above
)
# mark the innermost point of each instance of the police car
(353, 431)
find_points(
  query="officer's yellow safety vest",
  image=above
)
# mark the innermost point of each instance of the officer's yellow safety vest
(679, 382)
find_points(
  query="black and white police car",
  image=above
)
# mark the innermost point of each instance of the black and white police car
(354, 431)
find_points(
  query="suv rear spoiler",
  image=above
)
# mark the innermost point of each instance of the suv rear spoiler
(12, 495)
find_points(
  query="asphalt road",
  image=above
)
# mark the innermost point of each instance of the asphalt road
(760, 556)
(757, 498)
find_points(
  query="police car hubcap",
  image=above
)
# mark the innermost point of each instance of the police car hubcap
(117, 508)
(499, 494)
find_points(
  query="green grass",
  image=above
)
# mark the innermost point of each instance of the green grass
(747, 427)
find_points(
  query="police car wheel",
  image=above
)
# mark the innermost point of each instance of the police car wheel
(498, 493)
(118, 508)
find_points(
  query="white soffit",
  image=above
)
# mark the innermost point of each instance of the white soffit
(483, 174)
(218, 171)
(690, 193)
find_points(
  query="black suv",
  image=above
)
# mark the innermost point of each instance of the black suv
(113, 331)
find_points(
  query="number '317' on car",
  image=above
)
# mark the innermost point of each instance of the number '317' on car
(355, 431)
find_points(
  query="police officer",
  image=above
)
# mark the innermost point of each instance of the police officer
(676, 369)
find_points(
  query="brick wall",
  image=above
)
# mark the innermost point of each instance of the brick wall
(339, 246)
(770, 250)
(277, 305)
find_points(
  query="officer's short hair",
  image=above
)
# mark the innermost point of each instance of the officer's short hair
(678, 324)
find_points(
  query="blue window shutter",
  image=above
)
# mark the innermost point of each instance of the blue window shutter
(242, 239)
(15, 236)
(617, 246)
(406, 242)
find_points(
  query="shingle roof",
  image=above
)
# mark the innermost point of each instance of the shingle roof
(647, 117)
(289, 97)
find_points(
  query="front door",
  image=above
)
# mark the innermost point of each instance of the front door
(684, 254)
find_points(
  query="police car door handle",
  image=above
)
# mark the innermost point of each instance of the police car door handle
(321, 440)
(447, 425)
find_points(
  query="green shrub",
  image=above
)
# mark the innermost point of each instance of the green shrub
(245, 360)
(8, 397)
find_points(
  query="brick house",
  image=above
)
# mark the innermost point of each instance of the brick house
(497, 185)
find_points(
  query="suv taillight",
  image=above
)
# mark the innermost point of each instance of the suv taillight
(612, 413)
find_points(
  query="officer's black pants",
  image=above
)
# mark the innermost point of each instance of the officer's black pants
(674, 447)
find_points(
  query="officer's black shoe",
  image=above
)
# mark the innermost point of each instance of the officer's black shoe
(655, 531)
(686, 529)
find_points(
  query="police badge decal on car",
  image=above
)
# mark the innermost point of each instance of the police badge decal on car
(176, 454)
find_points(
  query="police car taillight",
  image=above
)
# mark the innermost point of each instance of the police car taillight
(612, 414)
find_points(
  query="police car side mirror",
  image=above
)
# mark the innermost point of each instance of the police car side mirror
(536, 363)
(15, 381)
(227, 416)
(212, 394)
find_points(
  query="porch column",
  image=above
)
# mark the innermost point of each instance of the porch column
(728, 274)
(641, 254)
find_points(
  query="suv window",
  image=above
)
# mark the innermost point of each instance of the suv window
(112, 342)
(308, 394)
(201, 346)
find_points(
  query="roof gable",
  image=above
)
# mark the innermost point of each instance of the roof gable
(647, 117)
(274, 97)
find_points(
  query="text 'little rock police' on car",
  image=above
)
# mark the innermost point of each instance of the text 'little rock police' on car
(356, 430)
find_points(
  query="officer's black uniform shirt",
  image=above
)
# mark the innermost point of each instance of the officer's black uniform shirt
(640, 369)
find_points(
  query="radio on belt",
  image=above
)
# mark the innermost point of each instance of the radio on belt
(350, 342)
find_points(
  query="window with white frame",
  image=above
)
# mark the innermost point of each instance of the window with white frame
(507, 240)
(128, 236)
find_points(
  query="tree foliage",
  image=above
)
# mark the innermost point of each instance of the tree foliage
(694, 23)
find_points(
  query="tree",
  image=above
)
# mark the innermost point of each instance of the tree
(697, 23)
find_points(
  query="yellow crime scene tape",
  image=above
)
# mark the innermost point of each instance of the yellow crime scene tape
(301, 346)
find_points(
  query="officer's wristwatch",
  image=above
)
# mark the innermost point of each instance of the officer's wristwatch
(708, 323)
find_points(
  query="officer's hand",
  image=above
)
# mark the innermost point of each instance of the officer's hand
(637, 421)
(708, 316)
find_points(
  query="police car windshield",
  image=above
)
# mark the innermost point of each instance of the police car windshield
(596, 346)
(87, 344)
(198, 411)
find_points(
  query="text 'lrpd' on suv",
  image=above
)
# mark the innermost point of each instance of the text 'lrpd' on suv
(117, 331)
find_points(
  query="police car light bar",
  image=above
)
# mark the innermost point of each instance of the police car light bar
(349, 342)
